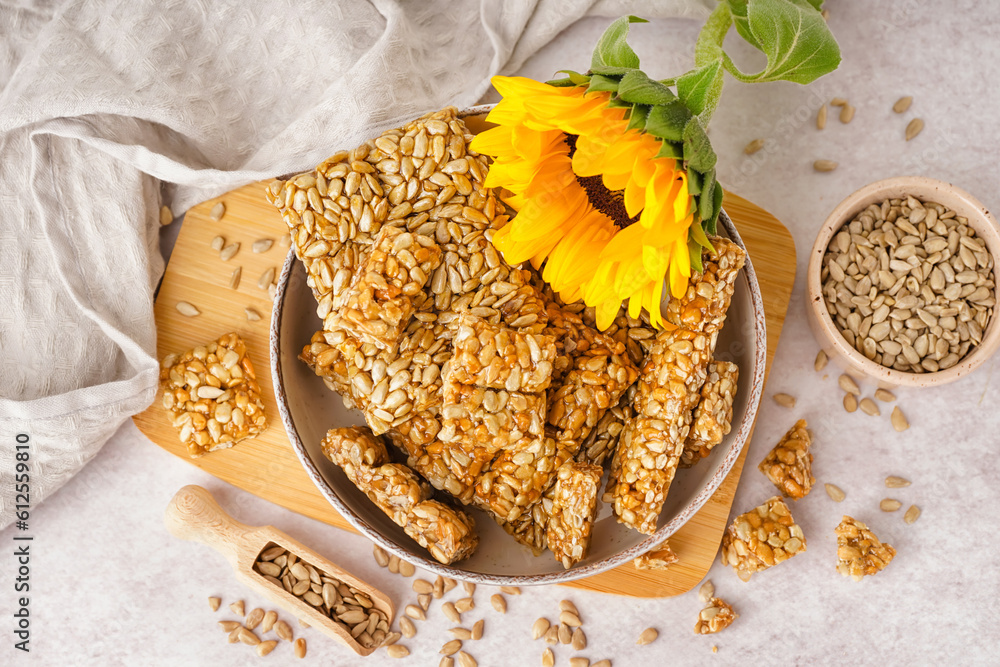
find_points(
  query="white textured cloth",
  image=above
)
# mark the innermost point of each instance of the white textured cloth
(104, 102)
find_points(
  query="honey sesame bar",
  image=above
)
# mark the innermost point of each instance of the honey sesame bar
(211, 395)
(859, 551)
(600, 374)
(762, 538)
(516, 479)
(378, 304)
(528, 528)
(603, 439)
(448, 533)
(649, 449)
(574, 508)
(490, 418)
(658, 558)
(789, 464)
(712, 419)
(718, 615)
(500, 358)
(703, 306)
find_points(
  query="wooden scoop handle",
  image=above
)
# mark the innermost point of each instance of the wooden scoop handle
(194, 515)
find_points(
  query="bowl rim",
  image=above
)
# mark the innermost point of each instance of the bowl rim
(740, 438)
(924, 188)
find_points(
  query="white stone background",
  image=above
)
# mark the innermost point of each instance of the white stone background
(111, 587)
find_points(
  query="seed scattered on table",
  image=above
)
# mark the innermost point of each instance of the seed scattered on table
(447, 661)
(229, 626)
(821, 361)
(262, 245)
(218, 243)
(548, 658)
(424, 600)
(166, 216)
(570, 619)
(539, 628)
(397, 651)
(266, 278)
(848, 384)
(579, 641)
(268, 623)
(510, 590)
(303, 624)
(821, 118)
(248, 637)
(238, 608)
(477, 629)
(217, 211)
(567, 605)
(451, 648)
(234, 636)
(912, 514)
(899, 420)
(449, 610)
(466, 660)
(470, 588)
(499, 603)
(422, 586)
(461, 633)
(381, 557)
(602, 663)
(448, 584)
(300, 647)
(707, 591)
(753, 146)
(252, 314)
(552, 635)
(264, 648)
(913, 128)
(229, 252)
(579, 662)
(902, 104)
(894, 482)
(784, 400)
(885, 395)
(413, 611)
(186, 309)
(850, 402)
(394, 564)
(889, 505)
(564, 634)
(406, 627)
(406, 568)
(234, 279)
(869, 407)
(838, 102)
(824, 165)
(254, 618)
(647, 636)
(214, 603)
(283, 630)
(846, 114)
(835, 493)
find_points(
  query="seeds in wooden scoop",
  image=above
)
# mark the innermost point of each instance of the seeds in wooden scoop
(902, 104)
(835, 493)
(821, 118)
(889, 505)
(753, 146)
(186, 309)
(899, 420)
(647, 636)
(821, 361)
(217, 211)
(499, 603)
(300, 647)
(824, 165)
(784, 400)
(166, 216)
(912, 514)
(894, 482)
(913, 128)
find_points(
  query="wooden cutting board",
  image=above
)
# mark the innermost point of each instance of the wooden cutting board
(267, 467)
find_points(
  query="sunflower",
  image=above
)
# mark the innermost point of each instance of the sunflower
(602, 215)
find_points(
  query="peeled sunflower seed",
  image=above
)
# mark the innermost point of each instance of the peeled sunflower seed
(252, 315)
(461, 633)
(838, 102)
(406, 568)
(447, 661)
(579, 641)
(218, 243)
(470, 588)
(913, 128)
(450, 612)
(300, 647)
(539, 628)
(229, 252)
(548, 658)
(753, 146)
(889, 505)
(821, 361)
(214, 603)
(166, 216)
(912, 514)
(217, 211)
(850, 402)
(579, 662)
(647, 636)
(424, 600)
(499, 603)
(466, 660)
(894, 482)
(902, 104)
(899, 420)
(406, 627)
(397, 651)
(237, 608)
(262, 245)
(234, 636)
(268, 623)
(186, 309)
(464, 605)
(570, 619)
(381, 557)
(869, 407)
(510, 590)
(451, 648)
(846, 114)
(264, 648)
(885, 395)
(567, 605)
(824, 165)
(706, 592)
(447, 584)
(229, 626)
(254, 618)
(266, 278)
(848, 384)
(283, 630)
(552, 635)
(477, 629)
(248, 637)
(821, 118)
(393, 564)
(784, 400)
(564, 634)
(602, 663)
(836, 495)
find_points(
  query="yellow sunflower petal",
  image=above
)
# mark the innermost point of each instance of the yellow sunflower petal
(606, 311)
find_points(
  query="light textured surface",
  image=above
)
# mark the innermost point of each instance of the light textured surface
(918, 611)
(99, 100)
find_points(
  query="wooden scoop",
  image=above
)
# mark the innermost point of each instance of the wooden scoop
(193, 514)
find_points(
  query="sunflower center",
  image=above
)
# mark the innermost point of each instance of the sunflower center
(609, 202)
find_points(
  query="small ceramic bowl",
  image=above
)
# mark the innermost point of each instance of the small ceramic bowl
(308, 409)
(825, 330)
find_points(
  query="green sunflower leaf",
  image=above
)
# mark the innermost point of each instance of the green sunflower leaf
(717, 196)
(698, 153)
(695, 182)
(696, 233)
(577, 78)
(700, 89)
(565, 82)
(668, 121)
(637, 119)
(611, 71)
(695, 251)
(707, 195)
(637, 88)
(708, 48)
(601, 83)
(612, 49)
(670, 149)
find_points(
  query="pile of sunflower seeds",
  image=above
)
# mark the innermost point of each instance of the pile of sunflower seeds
(345, 604)
(245, 632)
(909, 285)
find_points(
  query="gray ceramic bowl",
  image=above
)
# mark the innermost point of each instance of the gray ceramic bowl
(308, 409)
